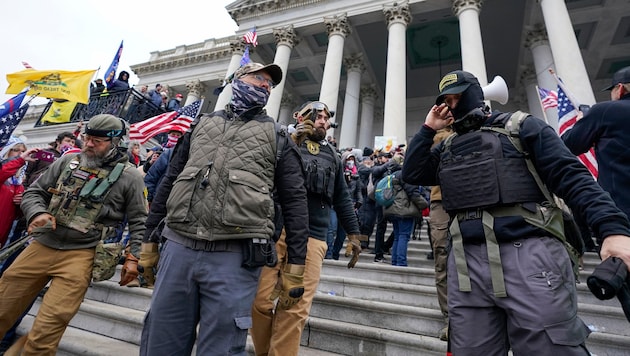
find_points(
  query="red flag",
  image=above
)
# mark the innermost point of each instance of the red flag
(175, 120)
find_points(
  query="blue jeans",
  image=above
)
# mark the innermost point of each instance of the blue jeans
(403, 226)
(330, 235)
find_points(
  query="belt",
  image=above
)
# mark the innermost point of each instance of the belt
(208, 246)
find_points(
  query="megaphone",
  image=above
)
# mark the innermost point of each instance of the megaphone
(497, 90)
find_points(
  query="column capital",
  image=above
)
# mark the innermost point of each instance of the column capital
(536, 36)
(461, 5)
(286, 36)
(237, 45)
(528, 76)
(354, 62)
(337, 25)
(195, 87)
(368, 92)
(397, 13)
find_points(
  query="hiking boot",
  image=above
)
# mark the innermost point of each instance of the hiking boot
(430, 255)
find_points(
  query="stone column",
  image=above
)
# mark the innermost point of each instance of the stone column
(238, 48)
(366, 131)
(398, 17)
(195, 88)
(528, 81)
(285, 117)
(473, 59)
(354, 67)
(338, 28)
(536, 41)
(286, 39)
(566, 52)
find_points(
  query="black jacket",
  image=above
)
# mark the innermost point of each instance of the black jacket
(606, 127)
(558, 168)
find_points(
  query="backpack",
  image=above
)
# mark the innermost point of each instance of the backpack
(385, 193)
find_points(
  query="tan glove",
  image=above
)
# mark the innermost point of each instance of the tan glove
(290, 286)
(129, 270)
(302, 131)
(354, 246)
(149, 257)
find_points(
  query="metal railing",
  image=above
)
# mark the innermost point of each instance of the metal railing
(129, 104)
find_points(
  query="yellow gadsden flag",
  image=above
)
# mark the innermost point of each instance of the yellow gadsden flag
(57, 84)
(60, 111)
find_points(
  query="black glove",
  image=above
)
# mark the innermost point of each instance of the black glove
(611, 278)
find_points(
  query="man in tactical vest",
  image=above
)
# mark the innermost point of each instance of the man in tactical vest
(510, 279)
(217, 204)
(277, 330)
(77, 202)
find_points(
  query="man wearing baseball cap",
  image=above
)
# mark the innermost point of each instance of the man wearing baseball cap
(217, 203)
(510, 280)
(606, 127)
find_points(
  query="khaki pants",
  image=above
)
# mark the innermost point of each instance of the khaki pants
(69, 271)
(279, 333)
(439, 238)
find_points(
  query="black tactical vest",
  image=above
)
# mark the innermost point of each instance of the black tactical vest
(320, 167)
(482, 169)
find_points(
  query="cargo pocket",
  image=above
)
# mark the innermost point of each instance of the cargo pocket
(243, 324)
(572, 332)
(247, 201)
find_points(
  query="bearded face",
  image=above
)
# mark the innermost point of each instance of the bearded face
(93, 156)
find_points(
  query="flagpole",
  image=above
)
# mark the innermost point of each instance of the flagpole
(541, 105)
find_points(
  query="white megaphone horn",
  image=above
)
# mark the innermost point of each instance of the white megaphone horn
(497, 91)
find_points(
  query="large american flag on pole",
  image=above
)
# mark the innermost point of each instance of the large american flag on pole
(179, 120)
(567, 117)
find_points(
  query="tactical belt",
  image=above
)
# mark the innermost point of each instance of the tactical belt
(208, 246)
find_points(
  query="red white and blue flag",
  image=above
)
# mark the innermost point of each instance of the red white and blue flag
(179, 120)
(251, 37)
(567, 117)
(548, 98)
(10, 116)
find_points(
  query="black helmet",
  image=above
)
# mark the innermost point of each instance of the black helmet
(105, 125)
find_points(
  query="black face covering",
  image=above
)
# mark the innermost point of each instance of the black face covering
(469, 113)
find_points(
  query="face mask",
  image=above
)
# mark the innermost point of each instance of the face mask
(350, 164)
(246, 96)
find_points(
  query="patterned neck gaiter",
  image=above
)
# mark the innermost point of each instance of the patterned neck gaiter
(246, 96)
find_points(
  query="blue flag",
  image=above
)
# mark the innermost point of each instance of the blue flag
(245, 59)
(110, 75)
(12, 104)
(9, 122)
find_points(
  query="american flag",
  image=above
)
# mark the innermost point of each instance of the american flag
(548, 98)
(9, 122)
(251, 37)
(12, 104)
(179, 120)
(567, 117)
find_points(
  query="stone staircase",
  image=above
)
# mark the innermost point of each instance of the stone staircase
(373, 309)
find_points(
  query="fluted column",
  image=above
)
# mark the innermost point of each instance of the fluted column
(238, 48)
(566, 52)
(354, 67)
(528, 81)
(338, 28)
(366, 131)
(195, 88)
(286, 39)
(398, 17)
(536, 40)
(473, 58)
(285, 117)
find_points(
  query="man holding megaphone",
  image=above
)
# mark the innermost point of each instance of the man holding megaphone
(511, 284)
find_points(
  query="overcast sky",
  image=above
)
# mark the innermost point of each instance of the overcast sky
(85, 34)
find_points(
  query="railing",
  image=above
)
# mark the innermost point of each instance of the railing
(129, 104)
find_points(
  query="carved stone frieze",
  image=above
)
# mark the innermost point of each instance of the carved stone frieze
(196, 58)
(255, 8)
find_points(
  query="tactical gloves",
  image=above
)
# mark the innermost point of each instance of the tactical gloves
(129, 270)
(354, 248)
(149, 257)
(302, 131)
(290, 286)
